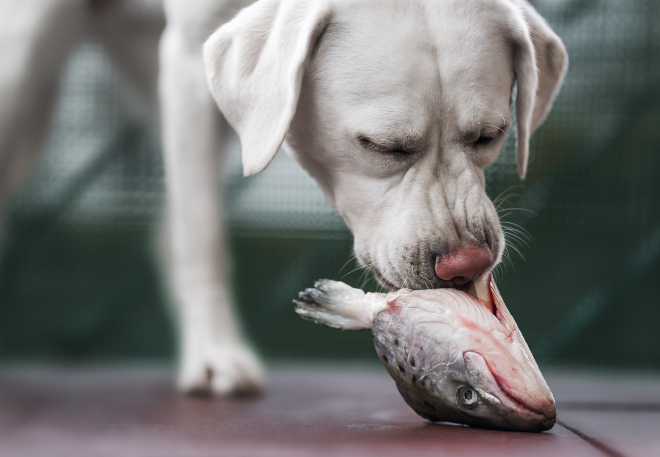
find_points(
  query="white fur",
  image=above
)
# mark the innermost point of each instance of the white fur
(436, 75)
(319, 75)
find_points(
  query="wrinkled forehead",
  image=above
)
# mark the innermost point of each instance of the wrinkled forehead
(428, 54)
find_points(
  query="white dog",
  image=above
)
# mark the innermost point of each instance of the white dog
(394, 106)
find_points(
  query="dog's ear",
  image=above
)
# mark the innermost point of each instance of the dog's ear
(255, 65)
(540, 64)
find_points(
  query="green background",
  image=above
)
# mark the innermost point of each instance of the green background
(79, 271)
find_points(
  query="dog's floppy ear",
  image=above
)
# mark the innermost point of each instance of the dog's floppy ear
(255, 65)
(540, 65)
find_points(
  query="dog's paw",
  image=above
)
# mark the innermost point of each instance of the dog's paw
(222, 369)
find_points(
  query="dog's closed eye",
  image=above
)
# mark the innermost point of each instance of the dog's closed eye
(484, 140)
(394, 147)
(487, 136)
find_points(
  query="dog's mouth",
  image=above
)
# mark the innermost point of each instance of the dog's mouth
(479, 288)
(382, 280)
(402, 283)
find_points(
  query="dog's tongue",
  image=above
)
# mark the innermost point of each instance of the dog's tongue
(480, 289)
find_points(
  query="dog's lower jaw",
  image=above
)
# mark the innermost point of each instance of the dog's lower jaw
(414, 281)
(382, 281)
(388, 283)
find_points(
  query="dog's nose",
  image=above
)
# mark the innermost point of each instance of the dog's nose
(463, 264)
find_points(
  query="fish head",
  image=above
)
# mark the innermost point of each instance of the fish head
(454, 359)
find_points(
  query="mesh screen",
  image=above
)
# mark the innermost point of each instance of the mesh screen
(79, 278)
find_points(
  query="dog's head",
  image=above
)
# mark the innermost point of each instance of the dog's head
(395, 107)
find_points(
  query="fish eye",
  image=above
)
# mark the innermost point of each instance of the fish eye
(467, 397)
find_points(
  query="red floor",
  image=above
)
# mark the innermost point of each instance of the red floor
(319, 412)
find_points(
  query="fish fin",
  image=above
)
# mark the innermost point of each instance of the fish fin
(338, 305)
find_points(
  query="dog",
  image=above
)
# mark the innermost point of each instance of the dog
(395, 107)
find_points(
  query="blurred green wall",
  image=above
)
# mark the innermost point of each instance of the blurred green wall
(79, 279)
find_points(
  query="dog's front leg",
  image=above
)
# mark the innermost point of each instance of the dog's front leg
(213, 355)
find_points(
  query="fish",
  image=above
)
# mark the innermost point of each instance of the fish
(455, 355)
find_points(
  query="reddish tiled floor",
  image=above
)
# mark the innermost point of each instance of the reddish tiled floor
(618, 411)
(342, 411)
